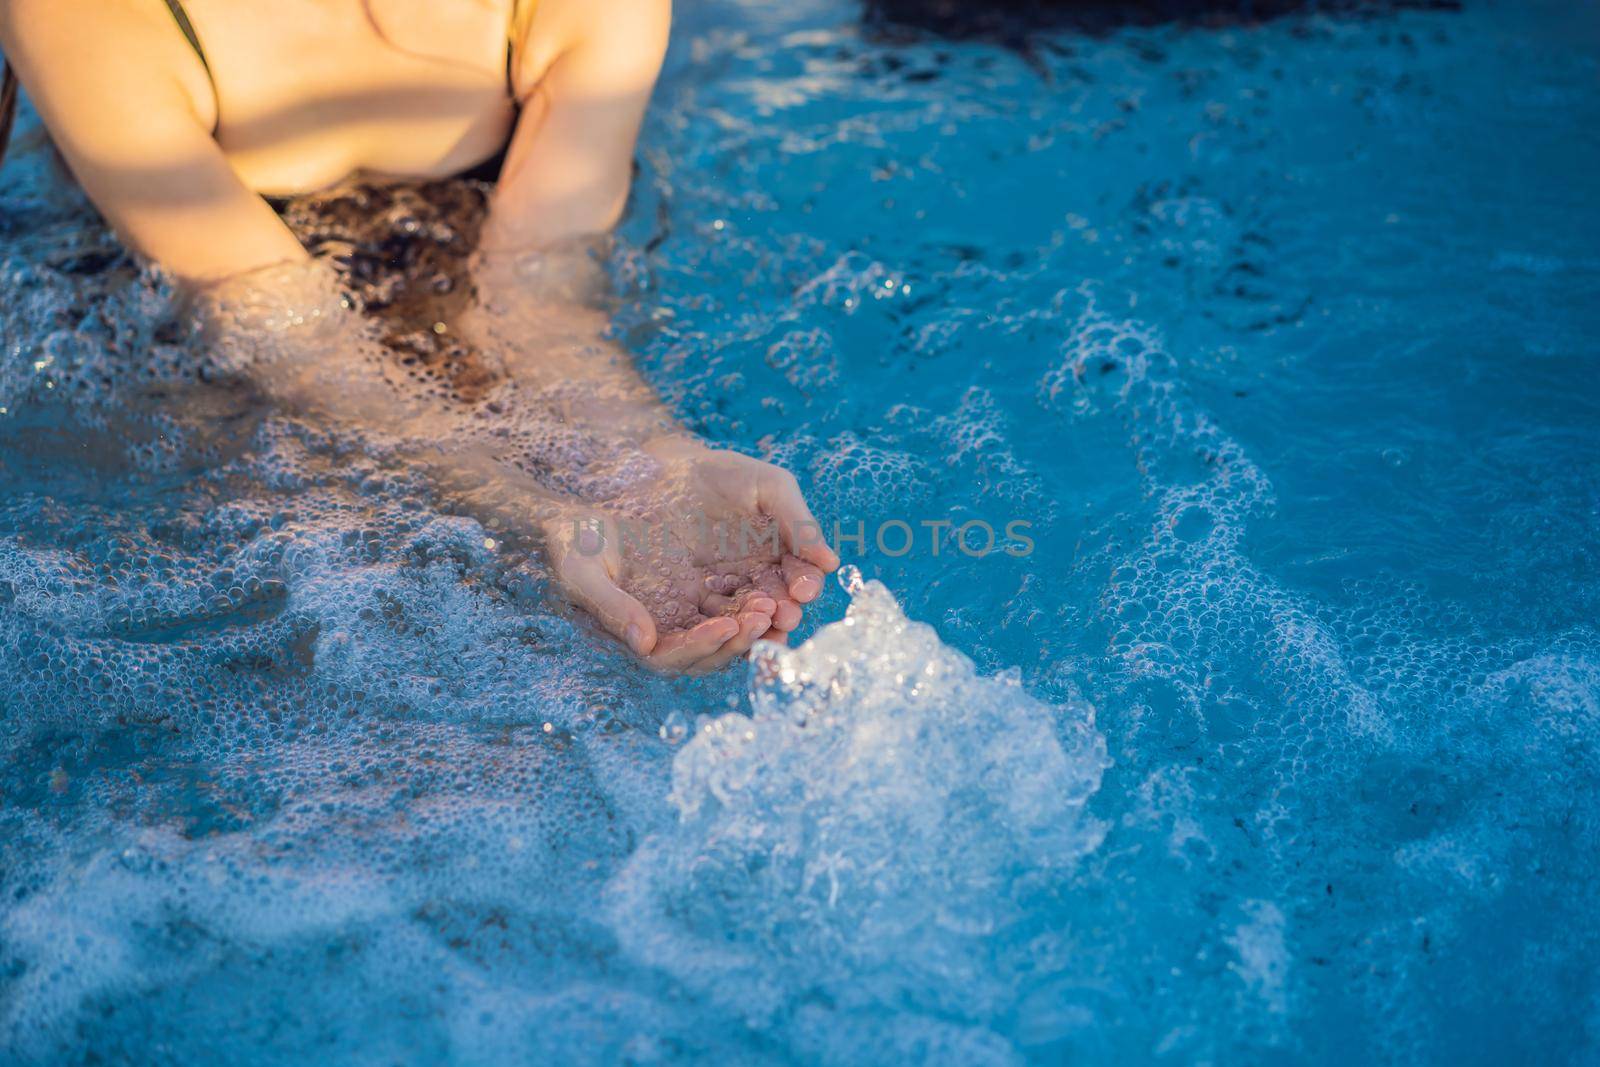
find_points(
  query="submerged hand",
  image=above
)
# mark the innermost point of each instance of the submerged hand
(725, 554)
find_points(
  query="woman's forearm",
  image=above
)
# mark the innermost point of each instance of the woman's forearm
(568, 449)
(537, 313)
(569, 418)
(293, 333)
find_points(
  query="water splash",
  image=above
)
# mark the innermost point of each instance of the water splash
(874, 836)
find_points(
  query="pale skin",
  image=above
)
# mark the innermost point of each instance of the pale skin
(302, 94)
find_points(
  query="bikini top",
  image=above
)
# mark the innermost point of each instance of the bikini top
(521, 13)
(181, 17)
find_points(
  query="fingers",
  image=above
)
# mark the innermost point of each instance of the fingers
(725, 584)
(681, 650)
(751, 626)
(778, 495)
(759, 603)
(746, 599)
(716, 604)
(776, 636)
(786, 616)
(589, 583)
(804, 579)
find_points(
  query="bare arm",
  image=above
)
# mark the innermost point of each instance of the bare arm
(129, 106)
(583, 78)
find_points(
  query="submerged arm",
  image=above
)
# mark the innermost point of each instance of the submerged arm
(569, 441)
(584, 78)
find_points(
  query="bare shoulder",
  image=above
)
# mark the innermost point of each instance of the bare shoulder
(72, 54)
(619, 39)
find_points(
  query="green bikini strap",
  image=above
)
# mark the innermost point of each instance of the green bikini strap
(181, 17)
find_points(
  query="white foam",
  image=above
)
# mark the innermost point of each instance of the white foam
(868, 834)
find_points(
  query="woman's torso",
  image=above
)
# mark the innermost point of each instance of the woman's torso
(306, 92)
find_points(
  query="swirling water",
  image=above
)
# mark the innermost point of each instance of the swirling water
(1280, 744)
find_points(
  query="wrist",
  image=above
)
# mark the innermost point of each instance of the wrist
(253, 321)
(674, 444)
(569, 272)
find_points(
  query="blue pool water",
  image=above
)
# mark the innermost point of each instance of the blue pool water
(1281, 745)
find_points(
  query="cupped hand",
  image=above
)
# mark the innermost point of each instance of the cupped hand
(721, 553)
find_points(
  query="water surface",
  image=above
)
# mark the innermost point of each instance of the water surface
(1281, 745)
